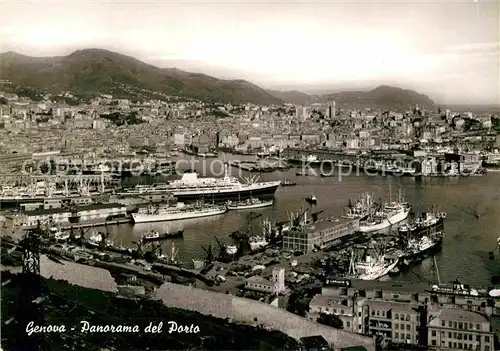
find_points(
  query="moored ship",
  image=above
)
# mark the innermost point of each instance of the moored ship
(373, 269)
(386, 216)
(156, 236)
(423, 224)
(418, 248)
(361, 209)
(191, 188)
(257, 242)
(178, 212)
(248, 204)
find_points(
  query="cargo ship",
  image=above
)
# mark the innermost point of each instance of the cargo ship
(423, 224)
(386, 216)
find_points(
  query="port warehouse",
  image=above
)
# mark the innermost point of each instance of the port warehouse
(409, 313)
(87, 213)
(319, 234)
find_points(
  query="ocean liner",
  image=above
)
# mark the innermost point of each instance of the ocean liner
(190, 188)
(178, 212)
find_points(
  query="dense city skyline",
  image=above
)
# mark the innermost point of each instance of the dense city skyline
(448, 50)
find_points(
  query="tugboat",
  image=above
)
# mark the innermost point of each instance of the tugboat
(288, 183)
(231, 249)
(153, 235)
(311, 200)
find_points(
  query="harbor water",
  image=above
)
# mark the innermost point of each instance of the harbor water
(467, 242)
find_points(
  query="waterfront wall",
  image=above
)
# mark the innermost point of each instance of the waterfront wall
(255, 313)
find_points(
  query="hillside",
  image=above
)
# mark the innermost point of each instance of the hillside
(294, 97)
(382, 97)
(101, 71)
(68, 305)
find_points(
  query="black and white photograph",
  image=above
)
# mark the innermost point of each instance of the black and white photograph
(250, 175)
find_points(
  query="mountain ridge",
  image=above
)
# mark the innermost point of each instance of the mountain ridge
(383, 97)
(100, 71)
(96, 70)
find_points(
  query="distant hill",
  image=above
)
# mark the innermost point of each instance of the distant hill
(101, 71)
(294, 97)
(382, 97)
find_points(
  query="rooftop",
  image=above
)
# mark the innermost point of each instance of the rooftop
(326, 223)
(390, 305)
(457, 314)
(323, 300)
(316, 342)
(390, 285)
(256, 279)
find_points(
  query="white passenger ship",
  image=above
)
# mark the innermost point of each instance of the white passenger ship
(178, 212)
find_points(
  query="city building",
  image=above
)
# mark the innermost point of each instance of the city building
(274, 286)
(318, 234)
(331, 110)
(458, 329)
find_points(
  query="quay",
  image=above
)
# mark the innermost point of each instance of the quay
(390, 162)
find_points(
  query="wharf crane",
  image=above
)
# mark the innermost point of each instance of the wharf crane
(209, 251)
(246, 231)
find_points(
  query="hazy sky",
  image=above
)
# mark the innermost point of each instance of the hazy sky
(447, 49)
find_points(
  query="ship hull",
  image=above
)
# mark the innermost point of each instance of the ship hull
(178, 234)
(424, 252)
(386, 223)
(146, 218)
(379, 274)
(426, 230)
(224, 195)
(246, 207)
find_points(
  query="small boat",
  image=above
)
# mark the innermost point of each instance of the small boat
(231, 249)
(312, 199)
(288, 183)
(95, 239)
(257, 242)
(248, 204)
(153, 235)
(198, 264)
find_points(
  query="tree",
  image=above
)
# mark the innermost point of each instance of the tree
(331, 320)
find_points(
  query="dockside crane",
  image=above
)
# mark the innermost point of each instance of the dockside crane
(210, 256)
(246, 231)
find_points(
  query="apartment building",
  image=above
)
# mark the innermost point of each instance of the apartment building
(409, 313)
(458, 329)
